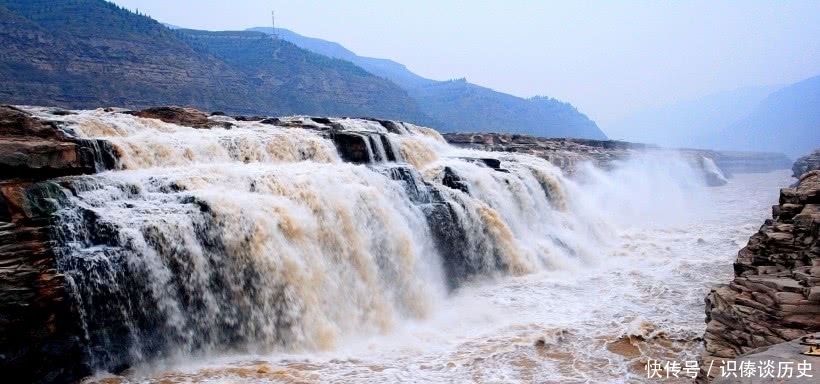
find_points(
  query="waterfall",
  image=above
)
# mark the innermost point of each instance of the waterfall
(712, 173)
(263, 238)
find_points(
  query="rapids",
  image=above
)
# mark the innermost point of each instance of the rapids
(263, 253)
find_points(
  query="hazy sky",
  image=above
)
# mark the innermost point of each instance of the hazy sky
(608, 58)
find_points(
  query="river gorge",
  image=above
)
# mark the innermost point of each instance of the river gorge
(167, 245)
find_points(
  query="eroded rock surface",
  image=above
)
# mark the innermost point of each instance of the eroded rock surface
(564, 153)
(33, 149)
(188, 117)
(568, 153)
(806, 163)
(775, 295)
(788, 366)
(39, 332)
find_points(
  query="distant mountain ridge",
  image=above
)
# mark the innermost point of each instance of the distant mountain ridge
(787, 121)
(92, 53)
(386, 68)
(458, 105)
(690, 123)
(783, 119)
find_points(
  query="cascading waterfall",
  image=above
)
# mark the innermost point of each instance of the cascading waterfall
(262, 238)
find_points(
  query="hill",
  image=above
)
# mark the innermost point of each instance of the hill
(461, 106)
(388, 69)
(786, 121)
(91, 53)
(690, 123)
(299, 81)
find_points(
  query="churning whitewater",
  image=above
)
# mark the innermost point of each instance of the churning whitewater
(269, 252)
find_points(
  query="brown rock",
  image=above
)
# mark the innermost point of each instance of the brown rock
(39, 331)
(188, 117)
(33, 149)
(806, 163)
(775, 295)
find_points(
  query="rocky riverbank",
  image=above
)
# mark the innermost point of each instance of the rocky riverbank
(775, 295)
(568, 153)
(788, 366)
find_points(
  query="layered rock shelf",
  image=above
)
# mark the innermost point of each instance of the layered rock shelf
(783, 356)
(568, 153)
(39, 332)
(564, 153)
(775, 295)
(806, 163)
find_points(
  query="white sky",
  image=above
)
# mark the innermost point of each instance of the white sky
(608, 58)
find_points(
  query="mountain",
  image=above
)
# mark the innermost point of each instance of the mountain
(690, 123)
(388, 69)
(786, 121)
(91, 53)
(458, 105)
(783, 119)
(297, 81)
(462, 106)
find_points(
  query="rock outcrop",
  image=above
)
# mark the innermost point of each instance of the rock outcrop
(32, 149)
(188, 117)
(564, 153)
(567, 153)
(788, 366)
(39, 332)
(806, 163)
(775, 295)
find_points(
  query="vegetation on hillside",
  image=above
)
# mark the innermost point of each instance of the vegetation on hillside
(457, 105)
(91, 53)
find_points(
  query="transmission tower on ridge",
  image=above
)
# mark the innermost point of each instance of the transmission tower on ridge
(273, 23)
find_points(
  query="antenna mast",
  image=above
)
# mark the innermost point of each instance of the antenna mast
(273, 23)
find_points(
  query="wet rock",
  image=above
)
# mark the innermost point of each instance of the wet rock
(270, 121)
(352, 147)
(188, 117)
(249, 118)
(452, 180)
(34, 149)
(40, 333)
(321, 120)
(392, 126)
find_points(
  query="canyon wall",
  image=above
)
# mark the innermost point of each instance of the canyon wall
(775, 295)
(40, 335)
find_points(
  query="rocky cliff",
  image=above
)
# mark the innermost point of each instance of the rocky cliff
(39, 330)
(806, 163)
(775, 295)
